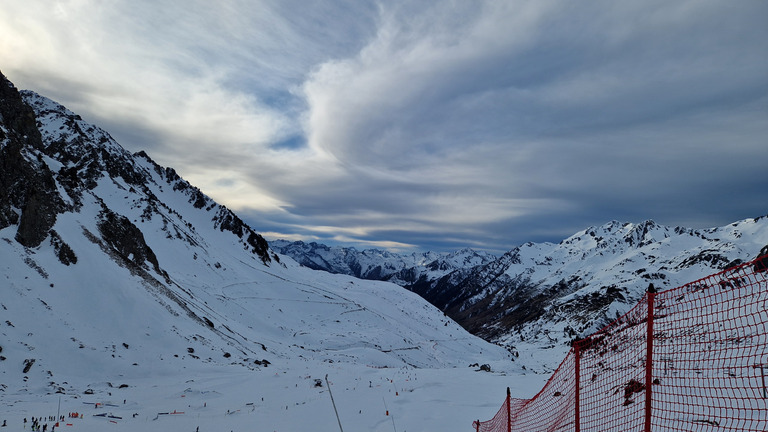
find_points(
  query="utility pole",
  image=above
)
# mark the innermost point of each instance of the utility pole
(333, 402)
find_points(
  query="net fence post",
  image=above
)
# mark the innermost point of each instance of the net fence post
(509, 410)
(577, 396)
(333, 402)
(649, 359)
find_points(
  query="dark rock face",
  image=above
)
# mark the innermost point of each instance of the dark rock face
(126, 239)
(63, 251)
(28, 195)
(17, 116)
(228, 221)
(39, 210)
(761, 261)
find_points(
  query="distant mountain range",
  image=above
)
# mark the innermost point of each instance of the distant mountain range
(545, 294)
(376, 264)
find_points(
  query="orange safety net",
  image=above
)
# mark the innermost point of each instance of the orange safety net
(692, 358)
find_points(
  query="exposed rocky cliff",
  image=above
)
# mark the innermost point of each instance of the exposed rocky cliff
(28, 195)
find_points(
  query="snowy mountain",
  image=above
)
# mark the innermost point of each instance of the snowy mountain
(544, 295)
(541, 296)
(376, 264)
(121, 281)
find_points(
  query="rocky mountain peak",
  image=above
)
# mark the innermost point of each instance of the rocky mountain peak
(52, 162)
(18, 120)
(28, 195)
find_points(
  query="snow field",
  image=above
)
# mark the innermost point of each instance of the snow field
(232, 399)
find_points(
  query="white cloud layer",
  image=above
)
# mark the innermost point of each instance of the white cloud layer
(431, 125)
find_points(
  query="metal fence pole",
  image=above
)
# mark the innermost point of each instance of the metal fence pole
(509, 410)
(649, 359)
(577, 372)
(333, 402)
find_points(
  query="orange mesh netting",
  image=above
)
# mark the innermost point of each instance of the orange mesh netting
(692, 358)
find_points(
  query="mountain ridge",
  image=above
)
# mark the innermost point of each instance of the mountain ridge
(379, 264)
(545, 294)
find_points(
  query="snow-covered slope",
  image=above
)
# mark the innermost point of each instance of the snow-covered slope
(115, 272)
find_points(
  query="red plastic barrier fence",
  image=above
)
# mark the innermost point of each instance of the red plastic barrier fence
(693, 358)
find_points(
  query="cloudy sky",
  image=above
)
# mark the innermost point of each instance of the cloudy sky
(422, 125)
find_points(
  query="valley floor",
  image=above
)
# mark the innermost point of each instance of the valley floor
(223, 399)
